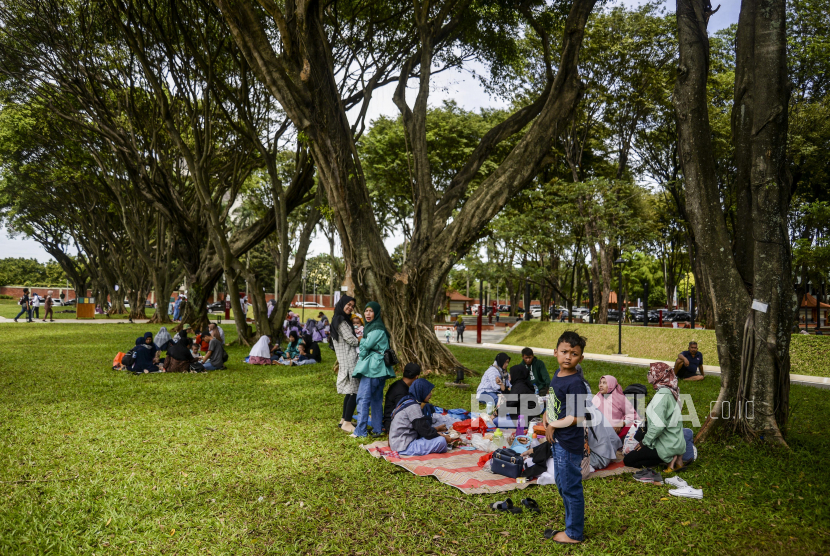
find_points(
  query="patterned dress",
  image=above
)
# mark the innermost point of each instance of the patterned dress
(346, 359)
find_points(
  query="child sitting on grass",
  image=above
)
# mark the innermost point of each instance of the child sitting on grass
(302, 359)
(563, 421)
(194, 349)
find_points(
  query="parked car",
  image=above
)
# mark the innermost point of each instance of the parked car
(535, 313)
(653, 316)
(504, 308)
(580, 312)
(613, 315)
(216, 307)
(310, 304)
(677, 316)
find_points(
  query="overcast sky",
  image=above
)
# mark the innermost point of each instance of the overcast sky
(458, 85)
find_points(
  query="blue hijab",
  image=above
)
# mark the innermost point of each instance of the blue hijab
(418, 392)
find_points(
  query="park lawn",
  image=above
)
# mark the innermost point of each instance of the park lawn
(10, 309)
(809, 354)
(249, 461)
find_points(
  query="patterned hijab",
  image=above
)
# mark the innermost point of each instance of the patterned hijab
(660, 376)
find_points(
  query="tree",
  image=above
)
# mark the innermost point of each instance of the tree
(752, 295)
(301, 71)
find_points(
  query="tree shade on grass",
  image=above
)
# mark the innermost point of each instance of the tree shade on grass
(807, 353)
(248, 461)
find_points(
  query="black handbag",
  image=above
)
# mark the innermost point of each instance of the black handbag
(197, 367)
(507, 462)
(390, 357)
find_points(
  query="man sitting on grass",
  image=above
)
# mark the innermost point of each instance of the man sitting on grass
(689, 363)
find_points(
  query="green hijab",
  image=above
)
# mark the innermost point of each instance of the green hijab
(377, 322)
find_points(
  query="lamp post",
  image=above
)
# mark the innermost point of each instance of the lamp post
(645, 303)
(620, 262)
(480, 307)
(693, 307)
(590, 302)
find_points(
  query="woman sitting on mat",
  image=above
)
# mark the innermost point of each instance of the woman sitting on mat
(261, 352)
(179, 356)
(614, 406)
(145, 356)
(411, 432)
(663, 441)
(494, 381)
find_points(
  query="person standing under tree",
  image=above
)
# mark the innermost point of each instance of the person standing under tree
(345, 342)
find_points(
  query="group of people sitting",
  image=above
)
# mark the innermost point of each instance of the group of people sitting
(182, 354)
(298, 351)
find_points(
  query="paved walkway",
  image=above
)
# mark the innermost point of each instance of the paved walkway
(73, 321)
(490, 341)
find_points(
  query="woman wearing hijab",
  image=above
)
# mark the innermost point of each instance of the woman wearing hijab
(459, 329)
(312, 348)
(179, 356)
(613, 404)
(162, 339)
(145, 356)
(663, 439)
(411, 432)
(372, 371)
(345, 343)
(495, 380)
(292, 349)
(261, 352)
(521, 385)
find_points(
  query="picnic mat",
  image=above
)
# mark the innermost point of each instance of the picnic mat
(459, 469)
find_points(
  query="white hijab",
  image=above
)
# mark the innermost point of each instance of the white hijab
(261, 348)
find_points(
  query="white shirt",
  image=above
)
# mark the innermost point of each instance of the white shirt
(35, 300)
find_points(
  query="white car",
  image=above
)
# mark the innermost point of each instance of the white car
(536, 313)
(310, 304)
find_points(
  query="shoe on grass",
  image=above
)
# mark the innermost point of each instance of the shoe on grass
(650, 476)
(688, 492)
(677, 482)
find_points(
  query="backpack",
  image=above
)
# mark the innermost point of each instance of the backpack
(128, 358)
(639, 394)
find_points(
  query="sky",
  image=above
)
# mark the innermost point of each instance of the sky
(458, 85)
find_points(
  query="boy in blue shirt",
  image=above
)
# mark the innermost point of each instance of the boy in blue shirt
(566, 435)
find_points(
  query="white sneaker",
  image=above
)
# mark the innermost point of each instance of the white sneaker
(687, 492)
(677, 482)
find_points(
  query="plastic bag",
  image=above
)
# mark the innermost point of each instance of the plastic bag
(547, 478)
(629, 444)
(481, 443)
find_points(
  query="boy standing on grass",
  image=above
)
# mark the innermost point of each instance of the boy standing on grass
(563, 429)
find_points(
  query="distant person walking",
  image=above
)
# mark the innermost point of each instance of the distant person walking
(35, 305)
(177, 307)
(25, 306)
(460, 327)
(48, 312)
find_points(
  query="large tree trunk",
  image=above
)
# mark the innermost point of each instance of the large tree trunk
(302, 79)
(753, 345)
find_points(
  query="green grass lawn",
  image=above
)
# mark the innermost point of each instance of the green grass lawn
(809, 355)
(249, 461)
(10, 309)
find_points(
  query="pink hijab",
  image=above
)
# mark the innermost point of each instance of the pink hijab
(615, 407)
